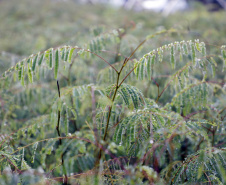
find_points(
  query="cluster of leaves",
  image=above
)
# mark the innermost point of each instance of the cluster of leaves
(152, 117)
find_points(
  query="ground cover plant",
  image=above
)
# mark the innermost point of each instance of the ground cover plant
(116, 105)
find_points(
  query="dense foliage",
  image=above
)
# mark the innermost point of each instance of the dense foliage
(138, 100)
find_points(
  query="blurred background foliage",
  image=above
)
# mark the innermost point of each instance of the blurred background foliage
(30, 26)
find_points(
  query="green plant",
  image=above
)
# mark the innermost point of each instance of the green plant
(126, 126)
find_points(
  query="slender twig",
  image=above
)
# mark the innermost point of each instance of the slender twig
(208, 129)
(207, 177)
(135, 50)
(222, 110)
(223, 143)
(12, 164)
(58, 87)
(58, 119)
(161, 143)
(126, 76)
(65, 77)
(53, 169)
(119, 84)
(174, 76)
(57, 127)
(112, 52)
(116, 89)
(194, 113)
(200, 142)
(60, 140)
(110, 109)
(101, 58)
(213, 135)
(127, 59)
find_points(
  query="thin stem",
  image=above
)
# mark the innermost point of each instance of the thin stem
(200, 142)
(109, 112)
(60, 140)
(126, 76)
(58, 119)
(58, 87)
(147, 38)
(213, 136)
(100, 58)
(12, 164)
(207, 177)
(57, 127)
(174, 76)
(113, 99)
(135, 50)
(222, 110)
(118, 85)
(193, 113)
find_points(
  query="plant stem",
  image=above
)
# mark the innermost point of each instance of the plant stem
(60, 140)
(119, 84)
(58, 120)
(116, 89)
(57, 127)
(110, 108)
(173, 77)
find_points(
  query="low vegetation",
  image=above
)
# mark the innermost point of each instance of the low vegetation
(135, 99)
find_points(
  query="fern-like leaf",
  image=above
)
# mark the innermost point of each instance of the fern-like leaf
(56, 67)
